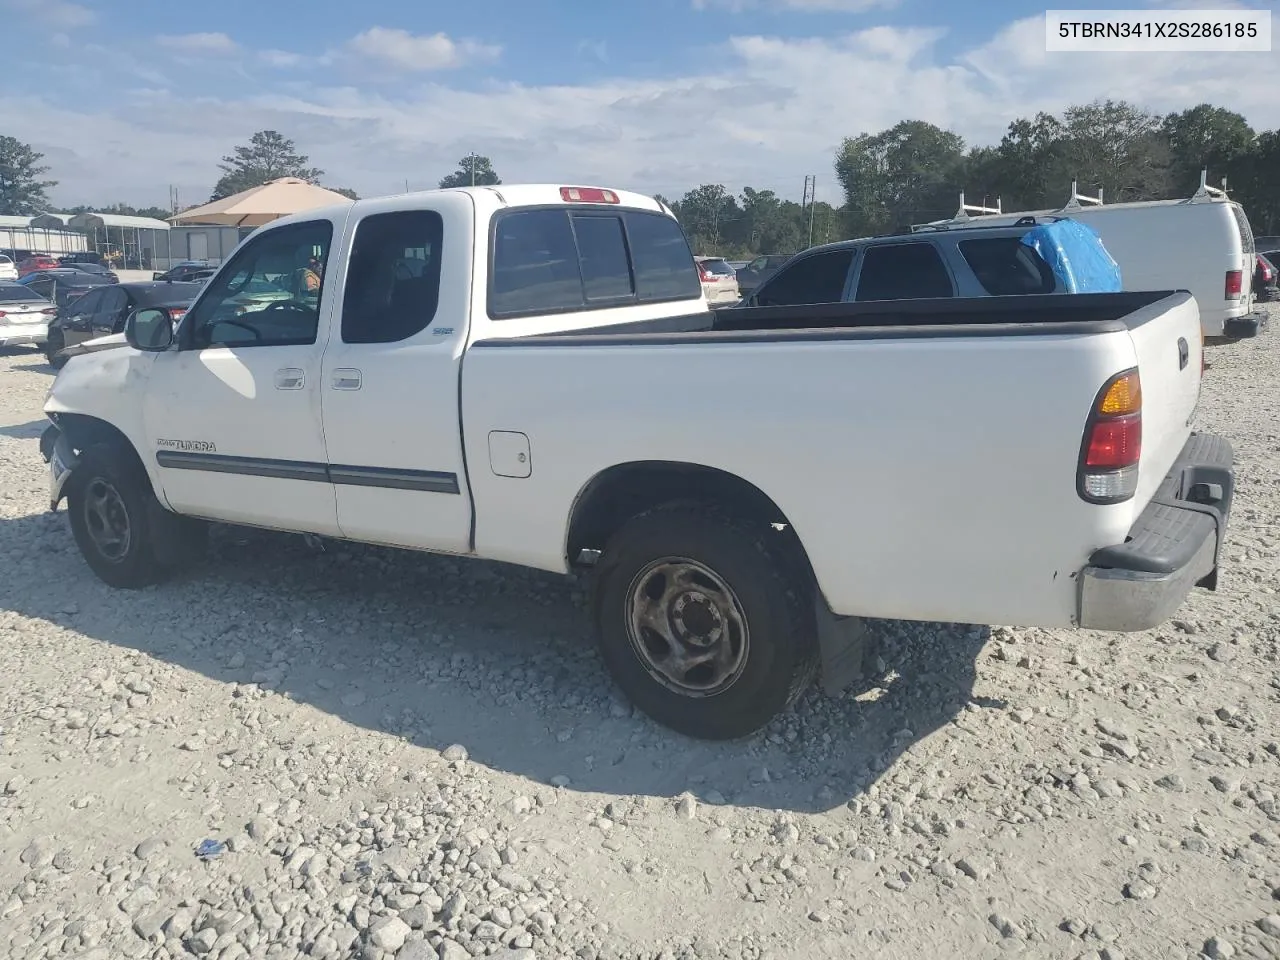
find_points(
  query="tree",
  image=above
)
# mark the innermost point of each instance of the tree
(123, 209)
(1117, 147)
(706, 214)
(1204, 137)
(473, 171)
(1028, 166)
(1252, 181)
(22, 192)
(268, 157)
(346, 192)
(902, 175)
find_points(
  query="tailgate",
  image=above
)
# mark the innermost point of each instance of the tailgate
(1168, 340)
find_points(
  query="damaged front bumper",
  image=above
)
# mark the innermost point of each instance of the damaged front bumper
(61, 457)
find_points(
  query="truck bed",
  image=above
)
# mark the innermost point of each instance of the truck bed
(925, 452)
(972, 316)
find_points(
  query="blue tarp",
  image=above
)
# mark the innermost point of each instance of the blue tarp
(1077, 256)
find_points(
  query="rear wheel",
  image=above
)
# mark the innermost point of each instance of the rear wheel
(702, 621)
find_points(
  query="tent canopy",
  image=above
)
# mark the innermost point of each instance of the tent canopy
(259, 205)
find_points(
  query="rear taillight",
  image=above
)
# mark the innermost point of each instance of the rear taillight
(703, 275)
(1108, 471)
(1235, 284)
(49, 310)
(176, 315)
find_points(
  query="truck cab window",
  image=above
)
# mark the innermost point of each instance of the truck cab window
(269, 294)
(393, 277)
(662, 259)
(535, 264)
(903, 271)
(816, 279)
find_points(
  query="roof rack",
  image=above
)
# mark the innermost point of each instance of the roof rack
(963, 215)
(1206, 192)
(1078, 198)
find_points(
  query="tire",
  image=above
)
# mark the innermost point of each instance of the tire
(55, 342)
(741, 599)
(128, 539)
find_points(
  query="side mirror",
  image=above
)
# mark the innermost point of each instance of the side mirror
(149, 330)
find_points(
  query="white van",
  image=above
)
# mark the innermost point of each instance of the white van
(1202, 245)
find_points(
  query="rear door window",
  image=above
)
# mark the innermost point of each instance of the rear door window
(1005, 266)
(1246, 231)
(903, 271)
(819, 278)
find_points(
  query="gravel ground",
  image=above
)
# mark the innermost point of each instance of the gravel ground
(410, 757)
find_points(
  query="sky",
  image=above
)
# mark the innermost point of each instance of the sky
(126, 100)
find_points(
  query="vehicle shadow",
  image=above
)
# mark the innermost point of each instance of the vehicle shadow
(24, 431)
(497, 658)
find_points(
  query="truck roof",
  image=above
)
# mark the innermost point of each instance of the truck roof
(504, 195)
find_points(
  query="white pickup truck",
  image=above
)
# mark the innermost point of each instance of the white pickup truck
(531, 374)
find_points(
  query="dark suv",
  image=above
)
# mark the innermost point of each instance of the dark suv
(103, 311)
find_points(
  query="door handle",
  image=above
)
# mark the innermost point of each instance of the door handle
(346, 378)
(290, 378)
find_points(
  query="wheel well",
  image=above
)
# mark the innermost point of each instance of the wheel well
(84, 431)
(616, 495)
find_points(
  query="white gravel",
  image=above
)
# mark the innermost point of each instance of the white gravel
(410, 757)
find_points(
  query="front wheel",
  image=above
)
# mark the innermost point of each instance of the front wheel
(52, 345)
(128, 539)
(702, 621)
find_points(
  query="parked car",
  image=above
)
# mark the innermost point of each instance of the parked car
(83, 256)
(1203, 244)
(97, 270)
(719, 282)
(991, 261)
(37, 261)
(24, 315)
(8, 269)
(187, 270)
(967, 460)
(758, 271)
(63, 284)
(103, 311)
(1266, 279)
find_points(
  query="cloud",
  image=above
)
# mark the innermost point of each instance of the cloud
(793, 100)
(282, 59)
(59, 14)
(593, 50)
(217, 44)
(401, 50)
(802, 6)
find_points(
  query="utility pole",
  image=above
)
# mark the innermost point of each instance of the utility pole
(810, 185)
(813, 199)
(471, 162)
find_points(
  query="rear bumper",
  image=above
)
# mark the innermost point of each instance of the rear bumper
(12, 336)
(1242, 328)
(1174, 546)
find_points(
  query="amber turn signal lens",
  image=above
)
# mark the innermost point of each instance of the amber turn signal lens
(1123, 397)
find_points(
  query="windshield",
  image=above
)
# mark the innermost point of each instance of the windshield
(167, 293)
(15, 293)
